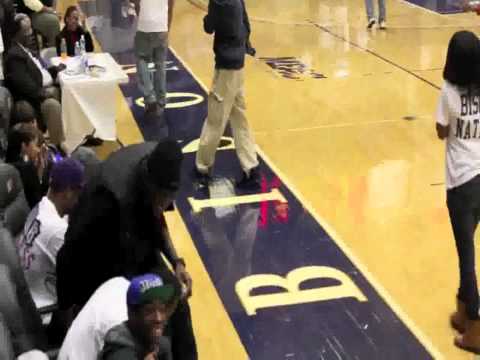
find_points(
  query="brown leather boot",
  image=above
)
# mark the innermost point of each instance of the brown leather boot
(470, 340)
(458, 319)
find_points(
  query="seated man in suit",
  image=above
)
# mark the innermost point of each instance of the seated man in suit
(28, 79)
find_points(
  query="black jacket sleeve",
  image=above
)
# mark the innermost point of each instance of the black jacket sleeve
(209, 21)
(91, 238)
(31, 183)
(21, 83)
(88, 42)
(246, 21)
(122, 353)
(58, 43)
(166, 245)
(250, 50)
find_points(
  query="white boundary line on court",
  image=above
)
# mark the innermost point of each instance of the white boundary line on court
(338, 240)
(341, 125)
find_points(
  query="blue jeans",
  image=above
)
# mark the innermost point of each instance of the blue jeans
(382, 16)
(464, 209)
(152, 47)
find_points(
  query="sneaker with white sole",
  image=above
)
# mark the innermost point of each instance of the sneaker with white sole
(371, 22)
(383, 25)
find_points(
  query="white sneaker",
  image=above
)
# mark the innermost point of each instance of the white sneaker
(383, 25)
(371, 22)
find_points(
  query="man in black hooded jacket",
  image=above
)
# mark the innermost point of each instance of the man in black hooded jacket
(118, 229)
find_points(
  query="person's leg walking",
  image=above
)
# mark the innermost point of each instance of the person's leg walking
(160, 77)
(242, 134)
(220, 102)
(382, 13)
(143, 53)
(48, 25)
(370, 13)
(463, 223)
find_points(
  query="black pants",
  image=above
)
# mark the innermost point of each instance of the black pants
(179, 328)
(464, 208)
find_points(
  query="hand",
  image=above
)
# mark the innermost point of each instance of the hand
(41, 161)
(48, 93)
(45, 94)
(49, 9)
(250, 49)
(184, 277)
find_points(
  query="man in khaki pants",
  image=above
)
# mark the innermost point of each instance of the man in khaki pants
(228, 19)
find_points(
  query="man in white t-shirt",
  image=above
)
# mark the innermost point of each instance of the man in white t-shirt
(151, 45)
(105, 309)
(44, 231)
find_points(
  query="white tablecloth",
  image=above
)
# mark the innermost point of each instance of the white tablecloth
(89, 103)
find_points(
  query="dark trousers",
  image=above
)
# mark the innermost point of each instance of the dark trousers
(179, 329)
(464, 208)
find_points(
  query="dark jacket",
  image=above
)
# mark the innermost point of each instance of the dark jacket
(23, 77)
(228, 19)
(7, 15)
(120, 344)
(112, 227)
(70, 38)
(34, 191)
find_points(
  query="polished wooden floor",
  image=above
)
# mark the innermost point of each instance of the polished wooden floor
(374, 177)
(369, 174)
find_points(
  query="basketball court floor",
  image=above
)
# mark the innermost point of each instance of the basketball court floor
(347, 251)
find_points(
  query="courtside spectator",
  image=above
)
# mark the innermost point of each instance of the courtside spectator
(119, 226)
(29, 80)
(28, 154)
(44, 231)
(150, 303)
(73, 32)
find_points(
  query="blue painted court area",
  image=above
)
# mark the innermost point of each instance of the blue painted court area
(328, 309)
(440, 6)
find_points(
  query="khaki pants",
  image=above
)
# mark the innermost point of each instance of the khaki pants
(226, 104)
(48, 25)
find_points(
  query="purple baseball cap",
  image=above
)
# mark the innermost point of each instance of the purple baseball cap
(67, 174)
(146, 288)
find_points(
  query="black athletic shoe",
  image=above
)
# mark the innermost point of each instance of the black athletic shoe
(151, 108)
(251, 180)
(92, 141)
(371, 22)
(201, 178)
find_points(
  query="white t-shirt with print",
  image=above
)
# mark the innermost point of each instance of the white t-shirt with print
(105, 309)
(38, 245)
(461, 111)
(153, 16)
